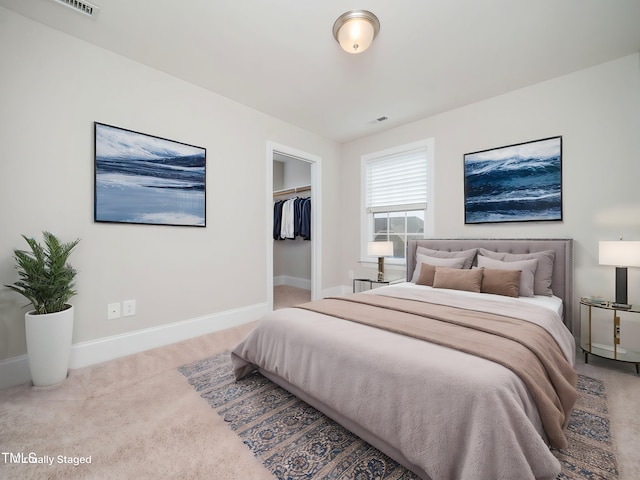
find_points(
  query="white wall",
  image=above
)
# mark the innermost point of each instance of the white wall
(53, 87)
(278, 175)
(597, 112)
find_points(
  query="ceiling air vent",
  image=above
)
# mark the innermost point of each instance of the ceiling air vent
(80, 6)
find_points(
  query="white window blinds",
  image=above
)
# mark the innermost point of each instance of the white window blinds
(397, 181)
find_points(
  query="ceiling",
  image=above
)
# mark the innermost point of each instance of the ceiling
(279, 56)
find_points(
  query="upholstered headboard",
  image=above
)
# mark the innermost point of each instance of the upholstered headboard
(562, 279)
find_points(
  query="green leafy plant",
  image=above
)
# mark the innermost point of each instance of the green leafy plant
(46, 279)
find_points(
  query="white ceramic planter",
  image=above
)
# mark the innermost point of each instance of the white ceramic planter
(49, 345)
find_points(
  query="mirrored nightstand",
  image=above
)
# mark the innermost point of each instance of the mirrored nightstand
(608, 346)
(362, 284)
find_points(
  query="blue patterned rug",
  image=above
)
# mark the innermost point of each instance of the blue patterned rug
(295, 441)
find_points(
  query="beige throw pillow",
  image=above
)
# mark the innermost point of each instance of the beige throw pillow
(427, 272)
(527, 274)
(501, 282)
(458, 279)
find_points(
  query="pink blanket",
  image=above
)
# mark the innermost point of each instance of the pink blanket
(443, 413)
(523, 347)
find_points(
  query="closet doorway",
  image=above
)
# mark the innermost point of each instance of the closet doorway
(293, 264)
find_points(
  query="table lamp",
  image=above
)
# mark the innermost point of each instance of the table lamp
(380, 250)
(621, 254)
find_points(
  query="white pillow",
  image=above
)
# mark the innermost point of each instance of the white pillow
(544, 271)
(469, 255)
(527, 268)
(436, 262)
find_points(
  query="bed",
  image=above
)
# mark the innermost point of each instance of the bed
(450, 382)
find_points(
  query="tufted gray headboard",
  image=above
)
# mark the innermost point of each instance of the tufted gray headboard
(561, 282)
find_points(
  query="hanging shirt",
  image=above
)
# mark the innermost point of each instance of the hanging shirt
(287, 227)
(305, 220)
(277, 219)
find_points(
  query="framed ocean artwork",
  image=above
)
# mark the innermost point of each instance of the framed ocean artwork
(515, 183)
(144, 179)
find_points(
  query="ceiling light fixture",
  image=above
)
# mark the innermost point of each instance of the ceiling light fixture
(355, 30)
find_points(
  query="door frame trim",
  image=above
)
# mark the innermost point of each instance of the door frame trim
(316, 216)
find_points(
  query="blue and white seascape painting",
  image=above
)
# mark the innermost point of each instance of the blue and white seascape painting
(148, 180)
(516, 183)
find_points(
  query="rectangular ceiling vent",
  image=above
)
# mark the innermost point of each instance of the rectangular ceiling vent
(80, 6)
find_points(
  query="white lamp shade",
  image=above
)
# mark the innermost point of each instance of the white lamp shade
(380, 249)
(619, 253)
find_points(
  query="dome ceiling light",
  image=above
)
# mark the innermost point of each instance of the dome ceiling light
(355, 30)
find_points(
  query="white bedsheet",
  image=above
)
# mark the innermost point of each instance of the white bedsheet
(554, 303)
(488, 303)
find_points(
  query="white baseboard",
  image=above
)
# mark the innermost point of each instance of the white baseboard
(292, 281)
(336, 291)
(15, 370)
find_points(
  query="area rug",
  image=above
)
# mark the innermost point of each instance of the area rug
(295, 441)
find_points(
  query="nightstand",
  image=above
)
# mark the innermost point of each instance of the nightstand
(610, 348)
(362, 284)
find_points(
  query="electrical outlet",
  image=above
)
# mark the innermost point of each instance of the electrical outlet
(113, 311)
(128, 308)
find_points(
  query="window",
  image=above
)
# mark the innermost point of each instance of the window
(395, 197)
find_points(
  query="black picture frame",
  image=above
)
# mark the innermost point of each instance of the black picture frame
(514, 183)
(145, 179)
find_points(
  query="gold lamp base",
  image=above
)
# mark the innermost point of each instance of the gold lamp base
(380, 269)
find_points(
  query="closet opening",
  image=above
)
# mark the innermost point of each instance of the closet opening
(293, 254)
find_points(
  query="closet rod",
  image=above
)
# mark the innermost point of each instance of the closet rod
(305, 188)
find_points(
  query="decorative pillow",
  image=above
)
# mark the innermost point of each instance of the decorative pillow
(544, 272)
(468, 255)
(501, 282)
(527, 274)
(427, 273)
(437, 262)
(458, 279)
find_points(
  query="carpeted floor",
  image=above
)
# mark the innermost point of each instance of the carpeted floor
(133, 418)
(287, 296)
(138, 417)
(293, 440)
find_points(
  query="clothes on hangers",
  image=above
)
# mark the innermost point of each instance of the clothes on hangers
(277, 219)
(305, 219)
(292, 218)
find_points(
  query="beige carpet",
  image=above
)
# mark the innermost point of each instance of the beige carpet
(138, 417)
(287, 296)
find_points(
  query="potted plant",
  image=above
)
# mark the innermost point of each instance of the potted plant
(47, 282)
